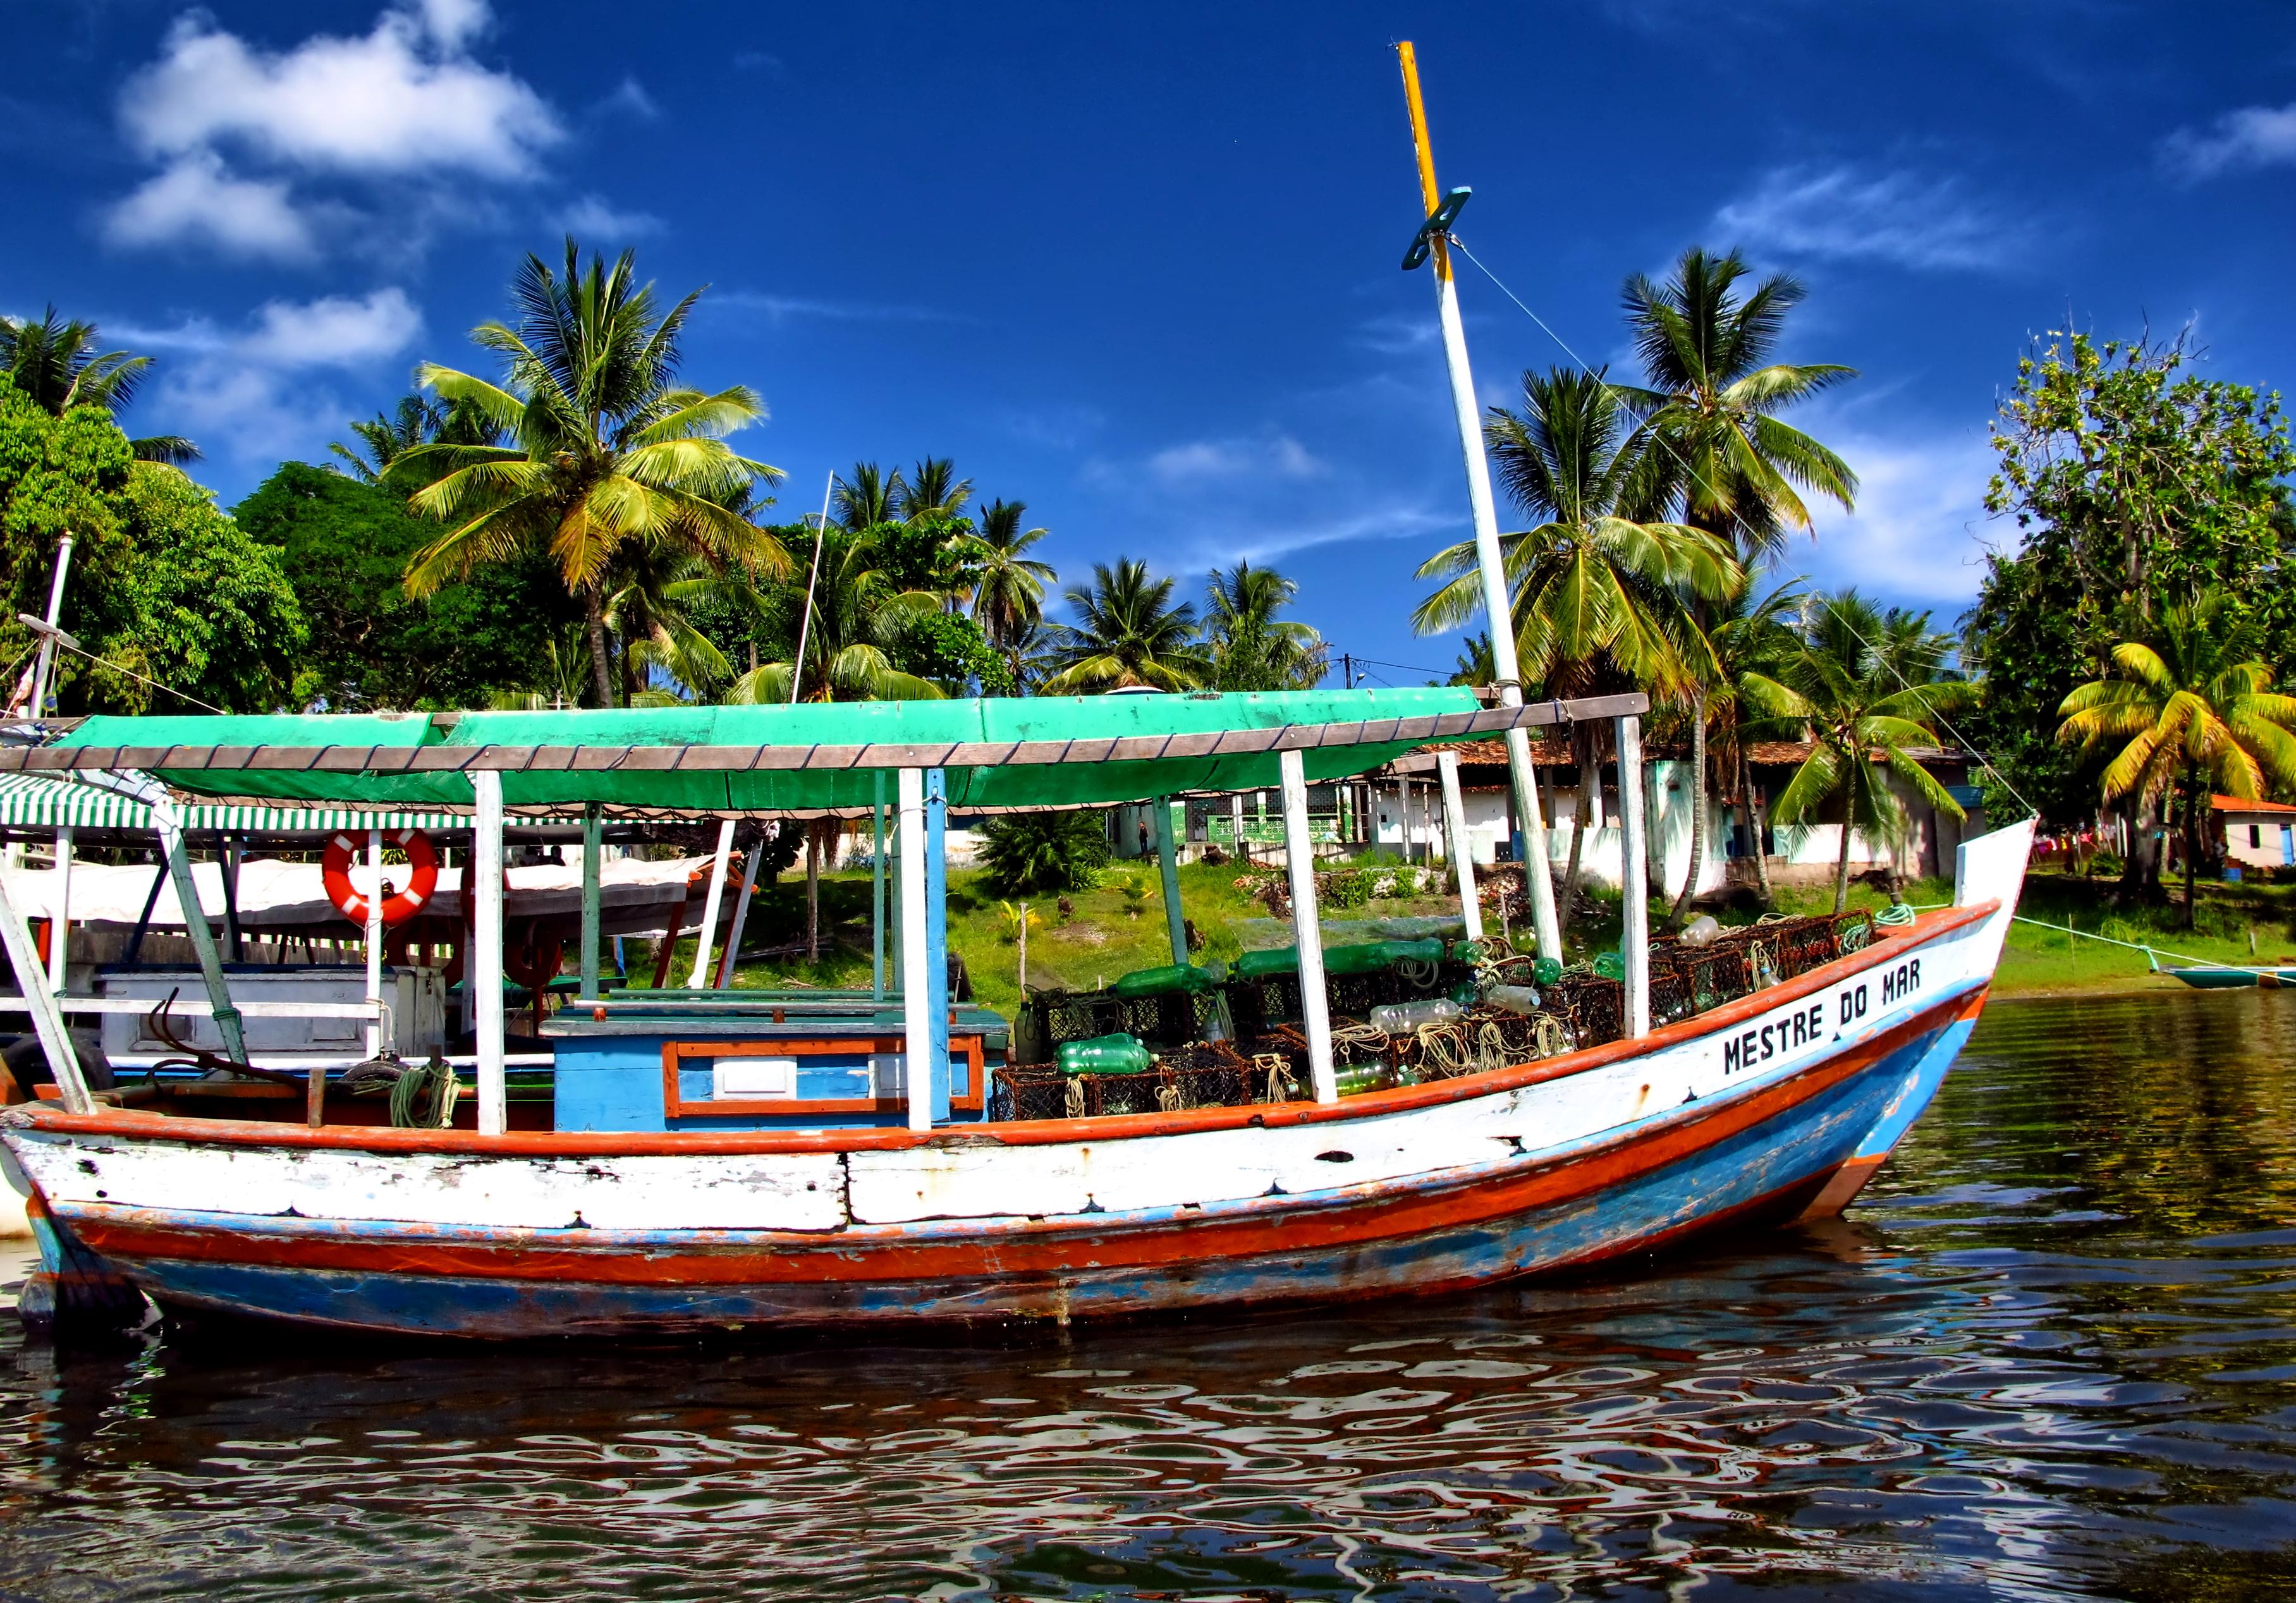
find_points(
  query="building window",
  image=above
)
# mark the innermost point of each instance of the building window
(2255, 835)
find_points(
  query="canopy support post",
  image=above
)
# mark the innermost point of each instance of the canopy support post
(374, 939)
(741, 919)
(1307, 928)
(935, 985)
(233, 935)
(1235, 819)
(594, 837)
(1168, 867)
(170, 828)
(59, 918)
(711, 904)
(1633, 883)
(1454, 826)
(47, 1023)
(917, 1003)
(482, 974)
(877, 887)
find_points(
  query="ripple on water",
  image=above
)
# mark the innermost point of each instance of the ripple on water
(2053, 1352)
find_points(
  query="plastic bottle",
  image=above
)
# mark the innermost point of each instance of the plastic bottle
(1513, 999)
(1117, 1054)
(1700, 931)
(1402, 1017)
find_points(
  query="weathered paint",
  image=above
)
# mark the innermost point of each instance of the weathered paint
(1765, 1104)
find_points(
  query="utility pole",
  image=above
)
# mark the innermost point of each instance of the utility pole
(1433, 242)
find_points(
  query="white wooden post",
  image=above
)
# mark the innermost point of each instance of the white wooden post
(1235, 818)
(59, 914)
(741, 913)
(483, 973)
(1168, 867)
(47, 1023)
(917, 998)
(1634, 942)
(711, 904)
(1454, 826)
(594, 850)
(1307, 929)
(1403, 815)
(375, 938)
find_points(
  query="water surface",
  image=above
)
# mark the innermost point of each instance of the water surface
(2052, 1353)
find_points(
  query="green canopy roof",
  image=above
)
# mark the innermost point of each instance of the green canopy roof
(1021, 752)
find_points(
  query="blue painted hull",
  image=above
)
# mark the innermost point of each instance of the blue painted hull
(1769, 1167)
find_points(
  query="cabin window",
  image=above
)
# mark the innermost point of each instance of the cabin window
(745, 1079)
(2255, 835)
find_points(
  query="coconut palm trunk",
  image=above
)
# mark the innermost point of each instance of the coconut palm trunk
(1754, 834)
(1697, 812)
(601, 662)
(2192, 836)
(812, 891)
(1842, 866)
(1590, 779)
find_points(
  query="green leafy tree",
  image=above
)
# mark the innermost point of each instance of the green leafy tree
(605, 450)
(1867, 685)
(932, 492)
(1601, 598)
(57, 364)
(1044, 853)
(1251, 648)
(868, 496)
(2193, 707)
(2136, 485)
(344, 545)
(416, 421)
(1129, 633)
(1009, 590)
(1709, 400)
(206, 611)
(1475, 664)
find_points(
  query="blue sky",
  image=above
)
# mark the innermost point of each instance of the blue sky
(1137, 266)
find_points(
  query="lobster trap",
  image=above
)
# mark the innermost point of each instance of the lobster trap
(1199, 1075)
(1049, 1019)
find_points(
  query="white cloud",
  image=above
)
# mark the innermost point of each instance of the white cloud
(255, 390)
(2252, 136)
(403, 101)
(630, 96)
(781, 308)
(1392, 520)
(1200, 461)
(1848, 213)
(194, 200)
(1920, 533)
(592, 217)
(333, 332)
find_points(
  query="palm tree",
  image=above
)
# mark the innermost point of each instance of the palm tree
(1031, 650)
(1251, 649)
(933, 491)
(603, 449)
(55, 363)
(1601, 597)
(1475, 664)
(857, 615)
(1128, 634)
(1750, 640)
(1009, 587)
(1865, 685)
(2195, 705)
(385, 439)
(1708, 397)
(649, 586)
(867, 497)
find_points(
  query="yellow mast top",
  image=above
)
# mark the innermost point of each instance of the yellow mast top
(1428, 192)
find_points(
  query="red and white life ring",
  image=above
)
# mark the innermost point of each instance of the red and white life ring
(335, 873)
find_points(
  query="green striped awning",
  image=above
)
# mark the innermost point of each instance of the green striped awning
(255, 819)
(34, 801)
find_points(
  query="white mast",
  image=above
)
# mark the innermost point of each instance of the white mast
(1434, 240)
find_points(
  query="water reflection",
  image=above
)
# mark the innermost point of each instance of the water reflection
(2053, 1353)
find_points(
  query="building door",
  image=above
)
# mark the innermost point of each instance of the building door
(2288, 843)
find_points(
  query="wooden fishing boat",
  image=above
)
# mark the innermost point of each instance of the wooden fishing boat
(919, 1206)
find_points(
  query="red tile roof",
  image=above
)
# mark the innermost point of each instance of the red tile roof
(2233, 804)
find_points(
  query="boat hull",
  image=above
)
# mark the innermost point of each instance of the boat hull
(1760, 1158)
(1780, 1102)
